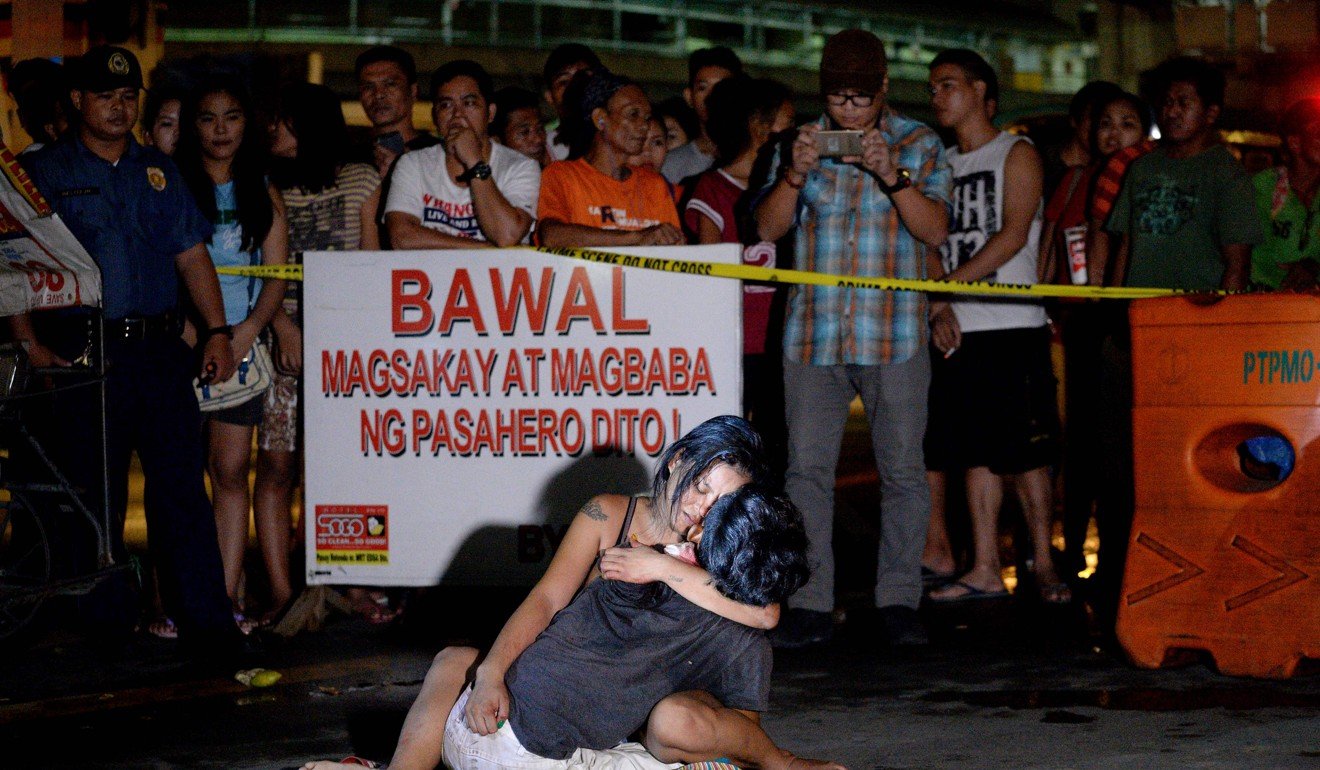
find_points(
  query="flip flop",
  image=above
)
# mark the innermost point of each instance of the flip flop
(1056, 593)
(972, 594)
(932, 579)
(163, 628)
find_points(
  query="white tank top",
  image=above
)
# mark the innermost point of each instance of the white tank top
(978, 213)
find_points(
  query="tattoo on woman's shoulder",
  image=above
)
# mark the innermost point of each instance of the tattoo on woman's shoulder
(593, 511)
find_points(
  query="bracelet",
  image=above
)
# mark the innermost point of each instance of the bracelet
(798, 186)
(226, 330)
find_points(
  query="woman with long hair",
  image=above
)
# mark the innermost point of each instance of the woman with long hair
(221, 154)
(331, 206)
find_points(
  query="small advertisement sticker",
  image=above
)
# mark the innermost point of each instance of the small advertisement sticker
(352, 534)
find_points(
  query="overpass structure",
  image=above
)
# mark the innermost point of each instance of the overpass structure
(1041, 57)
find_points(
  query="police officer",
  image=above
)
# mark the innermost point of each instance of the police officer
(129, 207)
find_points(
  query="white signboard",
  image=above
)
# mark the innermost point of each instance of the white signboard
(42, 266)
(462, 406)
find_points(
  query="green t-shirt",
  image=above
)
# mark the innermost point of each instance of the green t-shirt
(1291, 234)
(1179, 213)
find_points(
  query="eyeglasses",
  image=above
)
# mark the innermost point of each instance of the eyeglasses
(861, 101)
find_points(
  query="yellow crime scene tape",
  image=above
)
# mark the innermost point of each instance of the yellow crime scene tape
(802, 277)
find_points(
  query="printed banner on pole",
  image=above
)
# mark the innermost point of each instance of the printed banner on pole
(460, 407)
(42, 266)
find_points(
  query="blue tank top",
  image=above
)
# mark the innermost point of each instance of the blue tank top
(239, 292)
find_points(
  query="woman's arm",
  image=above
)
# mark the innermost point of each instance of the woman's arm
(369, 231)
(274, 251)
(593, 528)
(644, 565)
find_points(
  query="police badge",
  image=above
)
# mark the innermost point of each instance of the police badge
(156, 177)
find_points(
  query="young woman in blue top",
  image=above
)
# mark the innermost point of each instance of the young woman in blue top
(221, 153)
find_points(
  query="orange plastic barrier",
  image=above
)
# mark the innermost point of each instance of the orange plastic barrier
(1223, 558)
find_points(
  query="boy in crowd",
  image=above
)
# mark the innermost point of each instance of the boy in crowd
(518, 125)
(992, 407)
(563, 63)
(467, 191)
(706, 67)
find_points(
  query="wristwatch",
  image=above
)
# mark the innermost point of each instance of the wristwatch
(226, 330)
(903, 182)
(478, 170)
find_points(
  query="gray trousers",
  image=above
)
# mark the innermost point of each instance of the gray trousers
(816, 400)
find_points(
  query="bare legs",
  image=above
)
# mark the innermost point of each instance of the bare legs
(938, 554)
(695, 727)
(229, 450)
(272, 507)
(985, 495)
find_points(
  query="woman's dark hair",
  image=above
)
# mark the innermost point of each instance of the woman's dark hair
(754, 546)
(678, 109)
(586, 92)
(734, 102)
(510, 99)
(724, 439)
(313, 114)
(255, 210)
(1137, 104)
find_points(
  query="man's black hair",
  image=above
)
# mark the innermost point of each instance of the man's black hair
(1207, 79)
(754, 546)
(724, 439)
(974, 66)
(387, 53)
(510, 99)
(734, 103)
(567, 55)
(463, 68)
(676, 107)
(1088, 96)
(719, 56)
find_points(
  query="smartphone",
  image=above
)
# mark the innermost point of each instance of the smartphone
(839, 144)
(393, 141)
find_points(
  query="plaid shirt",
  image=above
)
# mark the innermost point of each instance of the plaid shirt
(846, 225)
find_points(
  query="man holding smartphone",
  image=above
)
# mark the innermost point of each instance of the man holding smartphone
(882, 211)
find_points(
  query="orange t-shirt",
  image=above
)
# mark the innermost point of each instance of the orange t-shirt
(574, 192)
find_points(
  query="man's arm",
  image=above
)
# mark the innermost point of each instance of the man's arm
(1237, 266)
(1021, 200)
(503, 223)
(38, 354)
(408, 232)
(776, 213)
(199, 278)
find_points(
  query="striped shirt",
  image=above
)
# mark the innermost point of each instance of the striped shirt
(847, 225)
(1110, 180)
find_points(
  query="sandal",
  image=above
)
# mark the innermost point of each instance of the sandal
(244, 623)
(163, 628)
(374, 608)
(1056, 593)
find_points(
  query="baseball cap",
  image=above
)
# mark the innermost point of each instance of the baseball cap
(105, 68)
(853, 58)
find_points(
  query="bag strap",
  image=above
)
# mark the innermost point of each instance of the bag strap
(627, 523)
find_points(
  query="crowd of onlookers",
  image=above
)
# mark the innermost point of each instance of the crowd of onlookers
(959, 390)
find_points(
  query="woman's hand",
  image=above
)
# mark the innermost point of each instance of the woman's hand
(288, 346)
(487, 706)
(245, 334)
(635, 565)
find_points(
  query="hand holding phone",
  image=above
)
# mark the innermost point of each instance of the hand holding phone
(839, 144)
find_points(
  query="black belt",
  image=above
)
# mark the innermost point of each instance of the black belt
(143, 327)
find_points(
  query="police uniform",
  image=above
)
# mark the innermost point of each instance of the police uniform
(134, 217)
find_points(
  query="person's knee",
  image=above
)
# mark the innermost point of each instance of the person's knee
(227, 471)
(454, 659)
(677, 724)
(275, 470)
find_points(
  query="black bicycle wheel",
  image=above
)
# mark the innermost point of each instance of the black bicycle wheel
(25, 567)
